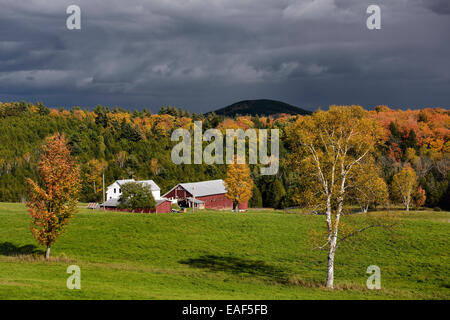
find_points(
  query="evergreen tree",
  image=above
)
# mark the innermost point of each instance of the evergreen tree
(275, 194)
(411, 142)
(256, 199)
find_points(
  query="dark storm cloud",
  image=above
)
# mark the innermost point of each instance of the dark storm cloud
(204, 54)
(438, 6)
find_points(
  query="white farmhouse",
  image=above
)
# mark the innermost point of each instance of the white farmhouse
(114, 191)
(156, 191)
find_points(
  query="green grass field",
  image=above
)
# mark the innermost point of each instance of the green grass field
(220, 255)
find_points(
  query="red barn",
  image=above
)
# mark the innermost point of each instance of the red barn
(210, 193)
(163, 206)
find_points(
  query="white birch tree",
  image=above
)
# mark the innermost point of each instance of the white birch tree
(326, 148)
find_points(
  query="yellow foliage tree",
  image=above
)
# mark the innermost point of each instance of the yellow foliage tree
(155, 166)
(121, 158)
(326, 149)
(404, 185)
(366, 186)
(238, 183)
(93, 173)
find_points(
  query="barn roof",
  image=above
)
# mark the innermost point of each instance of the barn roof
(110, 203)
(192, 200)
(153, 186)
(150, 183)
(121, 182)
(203, 188)
(93, 205)
(162, 200)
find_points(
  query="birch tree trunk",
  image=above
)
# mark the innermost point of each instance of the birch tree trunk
(328, 214)
(335, 230)
(406, 201)
(47, 252)
(330, 271)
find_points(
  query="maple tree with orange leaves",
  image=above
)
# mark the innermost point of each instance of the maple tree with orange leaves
(52, 203)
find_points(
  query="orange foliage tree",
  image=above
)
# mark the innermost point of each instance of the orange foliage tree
(420, 197)
(52, 203)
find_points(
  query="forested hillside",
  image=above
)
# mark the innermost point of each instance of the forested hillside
(260, 107)
(137, 145)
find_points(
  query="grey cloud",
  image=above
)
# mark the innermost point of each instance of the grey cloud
(204, 54)
(438, 6)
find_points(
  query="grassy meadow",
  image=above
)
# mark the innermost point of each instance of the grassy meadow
(220, 255)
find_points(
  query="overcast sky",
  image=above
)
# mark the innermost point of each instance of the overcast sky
(206, 54)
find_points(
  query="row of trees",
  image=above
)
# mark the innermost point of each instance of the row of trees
(137, 144)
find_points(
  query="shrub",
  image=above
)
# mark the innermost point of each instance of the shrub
(136, 196)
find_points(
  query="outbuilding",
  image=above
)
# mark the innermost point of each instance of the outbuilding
(114, 191)
(162, 206)
(212, 193)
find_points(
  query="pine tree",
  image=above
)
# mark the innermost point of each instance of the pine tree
(256, 199)
(275, 194)
(411, 142)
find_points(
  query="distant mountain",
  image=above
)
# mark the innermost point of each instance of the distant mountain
(261, 107)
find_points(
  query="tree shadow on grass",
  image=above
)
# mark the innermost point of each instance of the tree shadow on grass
(10, 249)
(238, 266)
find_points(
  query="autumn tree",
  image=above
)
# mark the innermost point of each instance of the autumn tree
(53, 202)
(92, 172)
(404, 185)
(326, 148)
(155, 167)
(366, 186)
(121, 158)
(238, 183)
(420, 197)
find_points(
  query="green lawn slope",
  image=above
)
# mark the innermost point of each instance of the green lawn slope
(219, 255)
